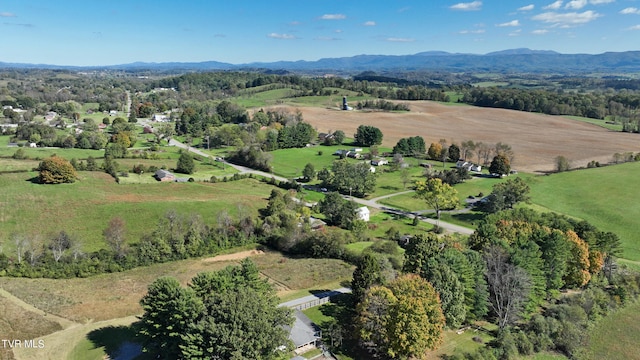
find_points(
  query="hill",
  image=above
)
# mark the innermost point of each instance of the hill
(512, 60)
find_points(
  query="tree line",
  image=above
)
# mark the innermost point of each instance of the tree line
(174, 237)
(594, 105)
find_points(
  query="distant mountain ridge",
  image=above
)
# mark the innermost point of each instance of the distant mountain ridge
(512, 60)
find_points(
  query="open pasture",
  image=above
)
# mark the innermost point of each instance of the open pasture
(536, 139)
(84, 208)
(605, 197)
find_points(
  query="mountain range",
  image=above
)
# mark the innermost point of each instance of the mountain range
(512, 60)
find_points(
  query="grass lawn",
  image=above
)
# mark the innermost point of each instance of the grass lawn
(603, 196)
(289, 163)
(84, 207)
(358, 247)
(454, 343)
(41, 153)
(601, 123)
(472, 187)
(616, 336)
(248, 98)
(380, 222)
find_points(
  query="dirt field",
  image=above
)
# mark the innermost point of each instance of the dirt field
(235, 256)
(535, 138)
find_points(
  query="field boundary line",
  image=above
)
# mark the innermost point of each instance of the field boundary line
(65, 323)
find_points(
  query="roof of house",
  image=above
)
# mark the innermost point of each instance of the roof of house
(362, 209)
(303, 331)
(161, 174)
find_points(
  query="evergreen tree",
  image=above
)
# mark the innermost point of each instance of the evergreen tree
(185, 164)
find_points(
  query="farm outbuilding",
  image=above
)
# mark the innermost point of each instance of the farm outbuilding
(164, 176)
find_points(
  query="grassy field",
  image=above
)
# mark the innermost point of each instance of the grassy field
(603, 196)
(84, 207)
(472, 187)
(289, 163)
(601, 123)
(616, 336)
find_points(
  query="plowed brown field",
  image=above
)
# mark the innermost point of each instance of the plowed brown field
(536, 139)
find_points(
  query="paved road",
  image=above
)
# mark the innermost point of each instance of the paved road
(371, 202)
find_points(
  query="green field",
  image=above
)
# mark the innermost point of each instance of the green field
(84, 207)
(603, 196)
(471, 187)
(601, 123)
(289, 163)
(615, 336)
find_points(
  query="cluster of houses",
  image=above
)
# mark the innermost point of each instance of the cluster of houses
(355, 153)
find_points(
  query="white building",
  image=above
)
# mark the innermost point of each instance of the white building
(362, 213)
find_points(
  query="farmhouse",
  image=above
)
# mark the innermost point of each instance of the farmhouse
(322, 137)
(462, 164)
(164, 176)
(304, 333)
(379, 162)
(362, 213)
(50, 116)
(160, 118)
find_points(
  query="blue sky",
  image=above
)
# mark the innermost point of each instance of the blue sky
(107, 32)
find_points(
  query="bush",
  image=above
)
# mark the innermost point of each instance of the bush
(20, 154)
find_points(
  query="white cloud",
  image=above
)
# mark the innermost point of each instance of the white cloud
(527, 8)
(406, 8)
(369, 23)
(281, 36)
(599, 2)
(510, 23)
(395, 39)
(337, 31)
(327, 38)
(567, 19)
(636, 27)
(576, 4)
(630, 10)
(470, 6)
(295, 23)
(554, 6)
(515, 33)
(540, 32)
(464, 32)
(333, 17)
(7, 14)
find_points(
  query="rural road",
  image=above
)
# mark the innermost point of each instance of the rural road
(371, 202)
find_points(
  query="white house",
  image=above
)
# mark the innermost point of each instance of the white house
(379, 162)
(362, 213)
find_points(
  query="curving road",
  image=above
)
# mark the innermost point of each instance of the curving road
(371, 202)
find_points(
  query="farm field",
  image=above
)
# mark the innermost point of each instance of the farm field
(603, 196)
(535, 138)
(616, 336)
(84, 207)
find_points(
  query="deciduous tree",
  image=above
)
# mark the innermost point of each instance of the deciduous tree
(367, 135)
(438, 195)
(56, 170)
(500, 165)
(403, 319)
